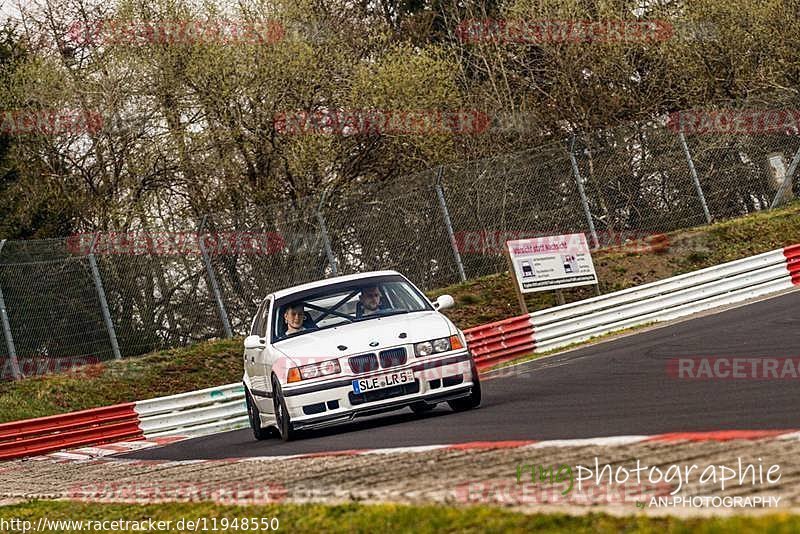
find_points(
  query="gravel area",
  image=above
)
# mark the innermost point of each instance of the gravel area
(449, 476)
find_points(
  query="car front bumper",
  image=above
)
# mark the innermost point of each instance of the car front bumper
(333, 401)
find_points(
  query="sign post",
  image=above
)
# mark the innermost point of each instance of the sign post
(520, 296)
(551, 263)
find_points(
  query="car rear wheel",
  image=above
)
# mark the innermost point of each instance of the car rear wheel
(473, 400)
(282, 420)
(255, 419)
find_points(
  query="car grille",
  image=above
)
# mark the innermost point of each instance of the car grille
(383, 394)
(363, 363)
(393, 357)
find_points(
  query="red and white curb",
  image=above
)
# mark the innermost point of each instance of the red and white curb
(107, 452)
(109, 449)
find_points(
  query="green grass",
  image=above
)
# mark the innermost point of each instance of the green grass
(478, 301)
(166, 372)
(314, 518)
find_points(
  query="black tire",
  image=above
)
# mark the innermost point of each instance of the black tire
(473, 400)
(282, 420)
(255, 421)
(420, 408)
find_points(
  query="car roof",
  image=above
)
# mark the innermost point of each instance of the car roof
(328, 281)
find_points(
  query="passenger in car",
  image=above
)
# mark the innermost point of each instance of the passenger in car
(369, 301)
(294, 317)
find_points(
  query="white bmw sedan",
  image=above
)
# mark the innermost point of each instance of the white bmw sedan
(327, 352)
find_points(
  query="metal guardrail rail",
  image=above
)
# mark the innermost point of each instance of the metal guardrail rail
(664, 300)
(195, 413)
(87, 427)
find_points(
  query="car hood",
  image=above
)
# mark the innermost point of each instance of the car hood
(418, 326)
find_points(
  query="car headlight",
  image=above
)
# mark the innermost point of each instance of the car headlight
(423, 349)
(314, 370)
(443, 344)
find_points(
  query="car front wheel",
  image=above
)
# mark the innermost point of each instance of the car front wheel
(282, 420)
(473, 400)
(255, 419)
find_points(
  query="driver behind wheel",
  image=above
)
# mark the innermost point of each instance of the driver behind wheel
(369, 301)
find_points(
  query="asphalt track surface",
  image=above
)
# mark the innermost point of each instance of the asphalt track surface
(619, 387)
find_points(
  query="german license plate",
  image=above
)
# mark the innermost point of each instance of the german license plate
(398, 378)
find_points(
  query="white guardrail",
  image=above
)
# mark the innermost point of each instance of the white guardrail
(668, 299)
(197, 413)
(212, 410)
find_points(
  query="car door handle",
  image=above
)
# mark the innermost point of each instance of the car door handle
(252, 359)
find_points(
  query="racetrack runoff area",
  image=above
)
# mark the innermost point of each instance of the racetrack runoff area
(460, 476)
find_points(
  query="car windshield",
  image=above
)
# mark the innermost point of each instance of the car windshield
(344, 303)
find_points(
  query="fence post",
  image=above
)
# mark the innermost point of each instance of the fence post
(98, 284)
(223, 315)
(326, 242)
(694, 177)
(584, 201)
(12, 352)
(446, 214)
(787, 181)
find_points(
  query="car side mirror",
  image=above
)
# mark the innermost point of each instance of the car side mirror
(254, 342)
(444, 302)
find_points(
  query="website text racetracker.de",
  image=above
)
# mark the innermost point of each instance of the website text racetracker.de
(198, 524)
(381, 121)
(734, 368)
(41, 365)
(191, 243)
(494, 241)
(563, 31)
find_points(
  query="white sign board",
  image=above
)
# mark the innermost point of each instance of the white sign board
(555, 262)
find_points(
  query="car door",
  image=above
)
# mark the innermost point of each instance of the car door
(254, 358)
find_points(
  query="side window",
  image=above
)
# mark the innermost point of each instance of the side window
(254, 327)
(259, 328)
(262, 323)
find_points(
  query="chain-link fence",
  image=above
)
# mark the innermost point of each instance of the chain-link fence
(82, 299)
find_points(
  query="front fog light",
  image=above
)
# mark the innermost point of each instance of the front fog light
(423, 349)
